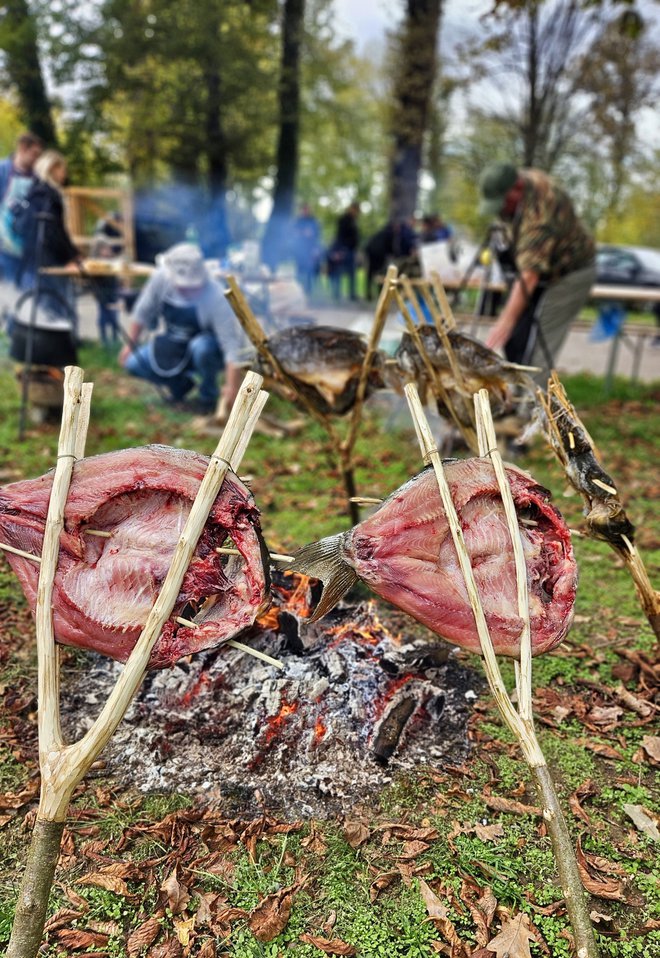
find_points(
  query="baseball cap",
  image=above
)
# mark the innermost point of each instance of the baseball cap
(494, 183)
(184, 264)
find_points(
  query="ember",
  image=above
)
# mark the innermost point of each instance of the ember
(352, 709)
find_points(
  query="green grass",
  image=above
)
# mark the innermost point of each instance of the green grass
(301, 498)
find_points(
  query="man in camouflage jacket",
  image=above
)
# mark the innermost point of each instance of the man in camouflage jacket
(554, 257)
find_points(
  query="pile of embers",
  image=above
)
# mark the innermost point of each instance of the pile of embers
(353, 707)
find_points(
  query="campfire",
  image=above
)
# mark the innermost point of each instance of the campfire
(353, 707)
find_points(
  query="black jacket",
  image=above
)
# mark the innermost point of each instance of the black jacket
(58, 249)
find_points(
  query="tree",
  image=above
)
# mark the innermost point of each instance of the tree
(414, 81)
(274, 241)
(22, 65)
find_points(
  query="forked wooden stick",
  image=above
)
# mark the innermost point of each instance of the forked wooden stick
(63, 766)
(520, 721)
(342, 449)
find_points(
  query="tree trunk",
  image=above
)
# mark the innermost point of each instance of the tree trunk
(216, 152)
(274, 241)
(413, 88)
(19, 42)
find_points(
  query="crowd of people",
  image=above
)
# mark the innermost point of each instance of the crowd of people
(183, 333)
(395, 242)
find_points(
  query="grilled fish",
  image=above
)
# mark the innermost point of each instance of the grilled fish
(325, 363)
(480, 368)
(105, 586)
(405, 553)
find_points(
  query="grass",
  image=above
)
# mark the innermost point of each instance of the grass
(300, 497)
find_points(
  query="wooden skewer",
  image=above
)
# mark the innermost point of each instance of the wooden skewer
(101, 533)
(603, 485)
(19, 552)
(189, 624)
(366, 500)
(275, 556)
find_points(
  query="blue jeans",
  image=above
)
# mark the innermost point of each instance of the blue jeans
(9, 268)
(206, 360)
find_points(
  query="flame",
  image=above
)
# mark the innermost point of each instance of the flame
(392, 689)
(275, 723)
(320, 728)
(295, 600)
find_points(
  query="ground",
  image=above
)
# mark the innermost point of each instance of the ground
(442, 861)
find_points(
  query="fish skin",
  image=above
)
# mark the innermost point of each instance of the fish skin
(104, 588)
(482, 368)
(404, 552)
(325, 362)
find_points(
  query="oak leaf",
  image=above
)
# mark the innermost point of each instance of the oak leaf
(513, 939)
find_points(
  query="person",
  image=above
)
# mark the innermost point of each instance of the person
(554, 256)
(16, 178)
(201, 335)
(44, 203)
(306, 242)
(342, 253)
(434, 230)
(396, 241)
(107, 244)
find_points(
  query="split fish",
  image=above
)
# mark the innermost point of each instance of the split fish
(405, 553)
(105, 586)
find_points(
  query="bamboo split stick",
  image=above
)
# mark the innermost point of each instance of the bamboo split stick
(519, 721)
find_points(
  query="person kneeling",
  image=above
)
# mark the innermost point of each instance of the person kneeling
(200, 335)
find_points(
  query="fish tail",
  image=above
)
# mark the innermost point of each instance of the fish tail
(323, 560)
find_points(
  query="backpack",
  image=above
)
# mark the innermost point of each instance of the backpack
(17, 217)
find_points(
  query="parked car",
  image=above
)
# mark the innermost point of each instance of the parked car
(627, 266)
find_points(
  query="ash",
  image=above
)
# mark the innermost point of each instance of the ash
(358, 704)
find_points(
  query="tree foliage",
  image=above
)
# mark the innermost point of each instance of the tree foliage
(22, 67)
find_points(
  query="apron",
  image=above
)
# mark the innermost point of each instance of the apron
(169, 352)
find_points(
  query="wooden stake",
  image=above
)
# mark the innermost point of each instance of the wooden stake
(63, 766)
(520, 722)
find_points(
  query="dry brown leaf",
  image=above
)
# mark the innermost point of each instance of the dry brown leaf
(355, 833)
(644, 820)
(183, 928)
(76, 900)
(61, 918)
(602, 887)
(488, 833)
(500, 804)
(513, 940)
(315, 841)
(438, 915)
(581, 792)
(207, 950)
(605, 751)
(331, 946)
(382, 882)
(177, 894)
(651, 745)
(75, 939)
(109, 882)
(170, 948)
(412, 849)
(143, 936)
(607, 716)
(271, 915)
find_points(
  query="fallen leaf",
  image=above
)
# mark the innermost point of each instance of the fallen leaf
(62, 917)
(170, 948)
(513, 940)
(586, 790)
(643, 820)
(606, 751)
(608, 888)
(109, 882)
(438, 914)
(651, 745)
(500, 804)
(177, 894)
(331, 946)
(271, 915)
(143, 936)
(183, 929)
(488, 833)
(75, 939)
(208, 949)
(355, 833)
(434, 906)
(382, 882)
